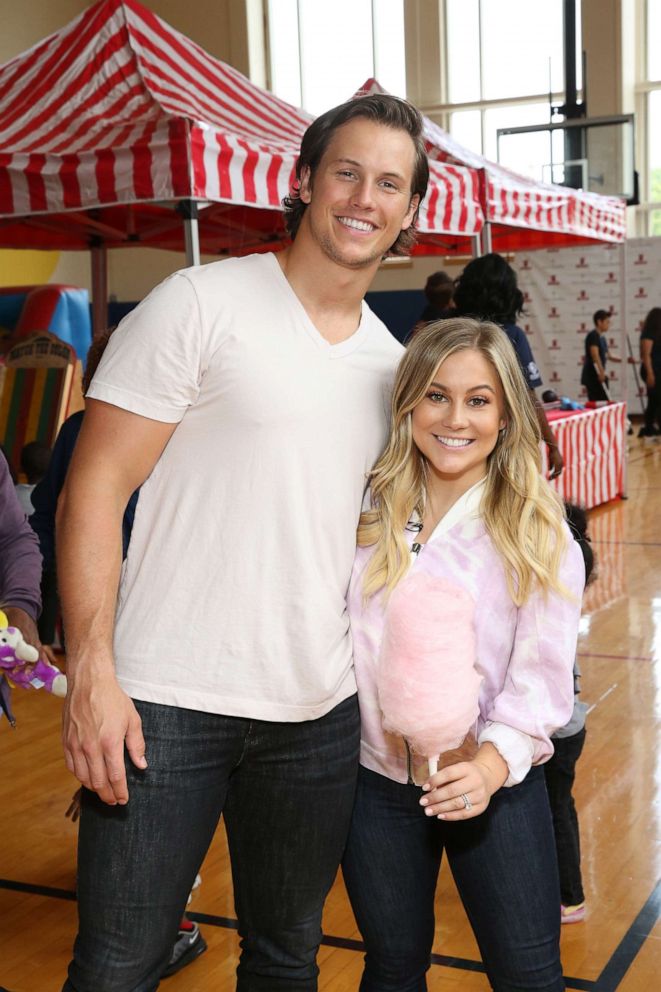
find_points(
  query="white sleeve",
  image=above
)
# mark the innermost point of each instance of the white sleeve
(153, 363)
(538, 693)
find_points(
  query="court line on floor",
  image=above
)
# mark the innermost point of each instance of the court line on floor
(626, 951)
(615, 657)
(350, 944)
(601, 698)
(228, 923)
(630, 544)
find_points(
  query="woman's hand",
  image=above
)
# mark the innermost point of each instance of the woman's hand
(463, 790)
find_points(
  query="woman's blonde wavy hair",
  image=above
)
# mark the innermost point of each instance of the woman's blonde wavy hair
(522, 514)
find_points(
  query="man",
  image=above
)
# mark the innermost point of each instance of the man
(593, 374)
(248, 399)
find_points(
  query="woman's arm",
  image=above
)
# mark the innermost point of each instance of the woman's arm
(537, 697)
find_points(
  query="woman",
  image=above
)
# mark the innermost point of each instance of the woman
(650, 354)
(458, 493)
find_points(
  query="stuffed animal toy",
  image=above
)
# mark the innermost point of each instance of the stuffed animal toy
(21, 663)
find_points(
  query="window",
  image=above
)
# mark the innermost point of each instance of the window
(318, 60)
(503, 59)
(649, 117)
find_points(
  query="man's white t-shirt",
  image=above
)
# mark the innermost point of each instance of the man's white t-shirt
(232, 596)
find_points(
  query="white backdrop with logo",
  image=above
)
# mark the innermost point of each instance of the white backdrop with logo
(564, 287)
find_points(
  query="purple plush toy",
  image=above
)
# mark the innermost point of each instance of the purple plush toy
(21, 663)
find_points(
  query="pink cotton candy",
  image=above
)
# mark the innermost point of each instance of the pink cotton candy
(427, 683)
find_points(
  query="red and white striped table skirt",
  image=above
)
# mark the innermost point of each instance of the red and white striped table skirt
(593, 445)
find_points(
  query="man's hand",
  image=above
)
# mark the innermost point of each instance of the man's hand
(98, 719)
(556, 461)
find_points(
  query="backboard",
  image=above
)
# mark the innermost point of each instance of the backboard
(594, 154)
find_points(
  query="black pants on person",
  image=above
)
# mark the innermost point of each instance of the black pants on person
(596, 391)
(560, 771)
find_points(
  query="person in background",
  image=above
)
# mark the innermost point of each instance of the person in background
(650, 355)
(560, 769)
(597, 354)
(458, 496)
(212, 672)
(439, 290)
(47, 492)
(35, 458)
(487, 289)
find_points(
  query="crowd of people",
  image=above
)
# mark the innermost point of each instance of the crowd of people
(231, 478)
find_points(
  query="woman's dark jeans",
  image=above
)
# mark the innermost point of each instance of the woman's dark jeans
(285, 791)
(504, 866)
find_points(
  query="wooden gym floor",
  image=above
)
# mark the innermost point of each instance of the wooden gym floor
(617, 793)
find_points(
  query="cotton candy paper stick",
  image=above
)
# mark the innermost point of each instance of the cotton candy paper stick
(427, 683)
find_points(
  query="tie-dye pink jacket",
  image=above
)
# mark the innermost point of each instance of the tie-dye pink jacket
(525, 655)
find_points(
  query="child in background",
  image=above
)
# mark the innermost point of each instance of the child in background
(560, 769)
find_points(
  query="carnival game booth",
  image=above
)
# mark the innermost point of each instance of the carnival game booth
(119, 131)
(39, 387)
(45, 332)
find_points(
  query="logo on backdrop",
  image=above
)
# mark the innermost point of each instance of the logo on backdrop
(554, 376)
(641, 294)
(641, 260)
(583, 295)
(553, 281)
(526, 264)
(553, 312)
(582, 264)
(611, 277)
(582, 329)
(527, 298)
(554, 346)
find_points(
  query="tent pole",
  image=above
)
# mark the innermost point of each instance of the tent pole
(486, 239)
(188, 210)
(475, 246)
(99, 262)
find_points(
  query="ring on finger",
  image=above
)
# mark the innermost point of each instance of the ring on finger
(467, 803)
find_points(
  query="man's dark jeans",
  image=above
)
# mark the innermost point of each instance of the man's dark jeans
(503, 863)
(285, 791)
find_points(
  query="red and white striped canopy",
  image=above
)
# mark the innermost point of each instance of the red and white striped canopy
(526, 213)
(118, 114)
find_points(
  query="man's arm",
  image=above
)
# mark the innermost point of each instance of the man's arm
(556, 461)
(115, 453)
(595, 358)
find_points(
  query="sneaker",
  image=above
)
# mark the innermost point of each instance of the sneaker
(189, 945)
(572, 914)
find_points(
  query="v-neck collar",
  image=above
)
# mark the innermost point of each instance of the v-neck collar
(338, 350)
